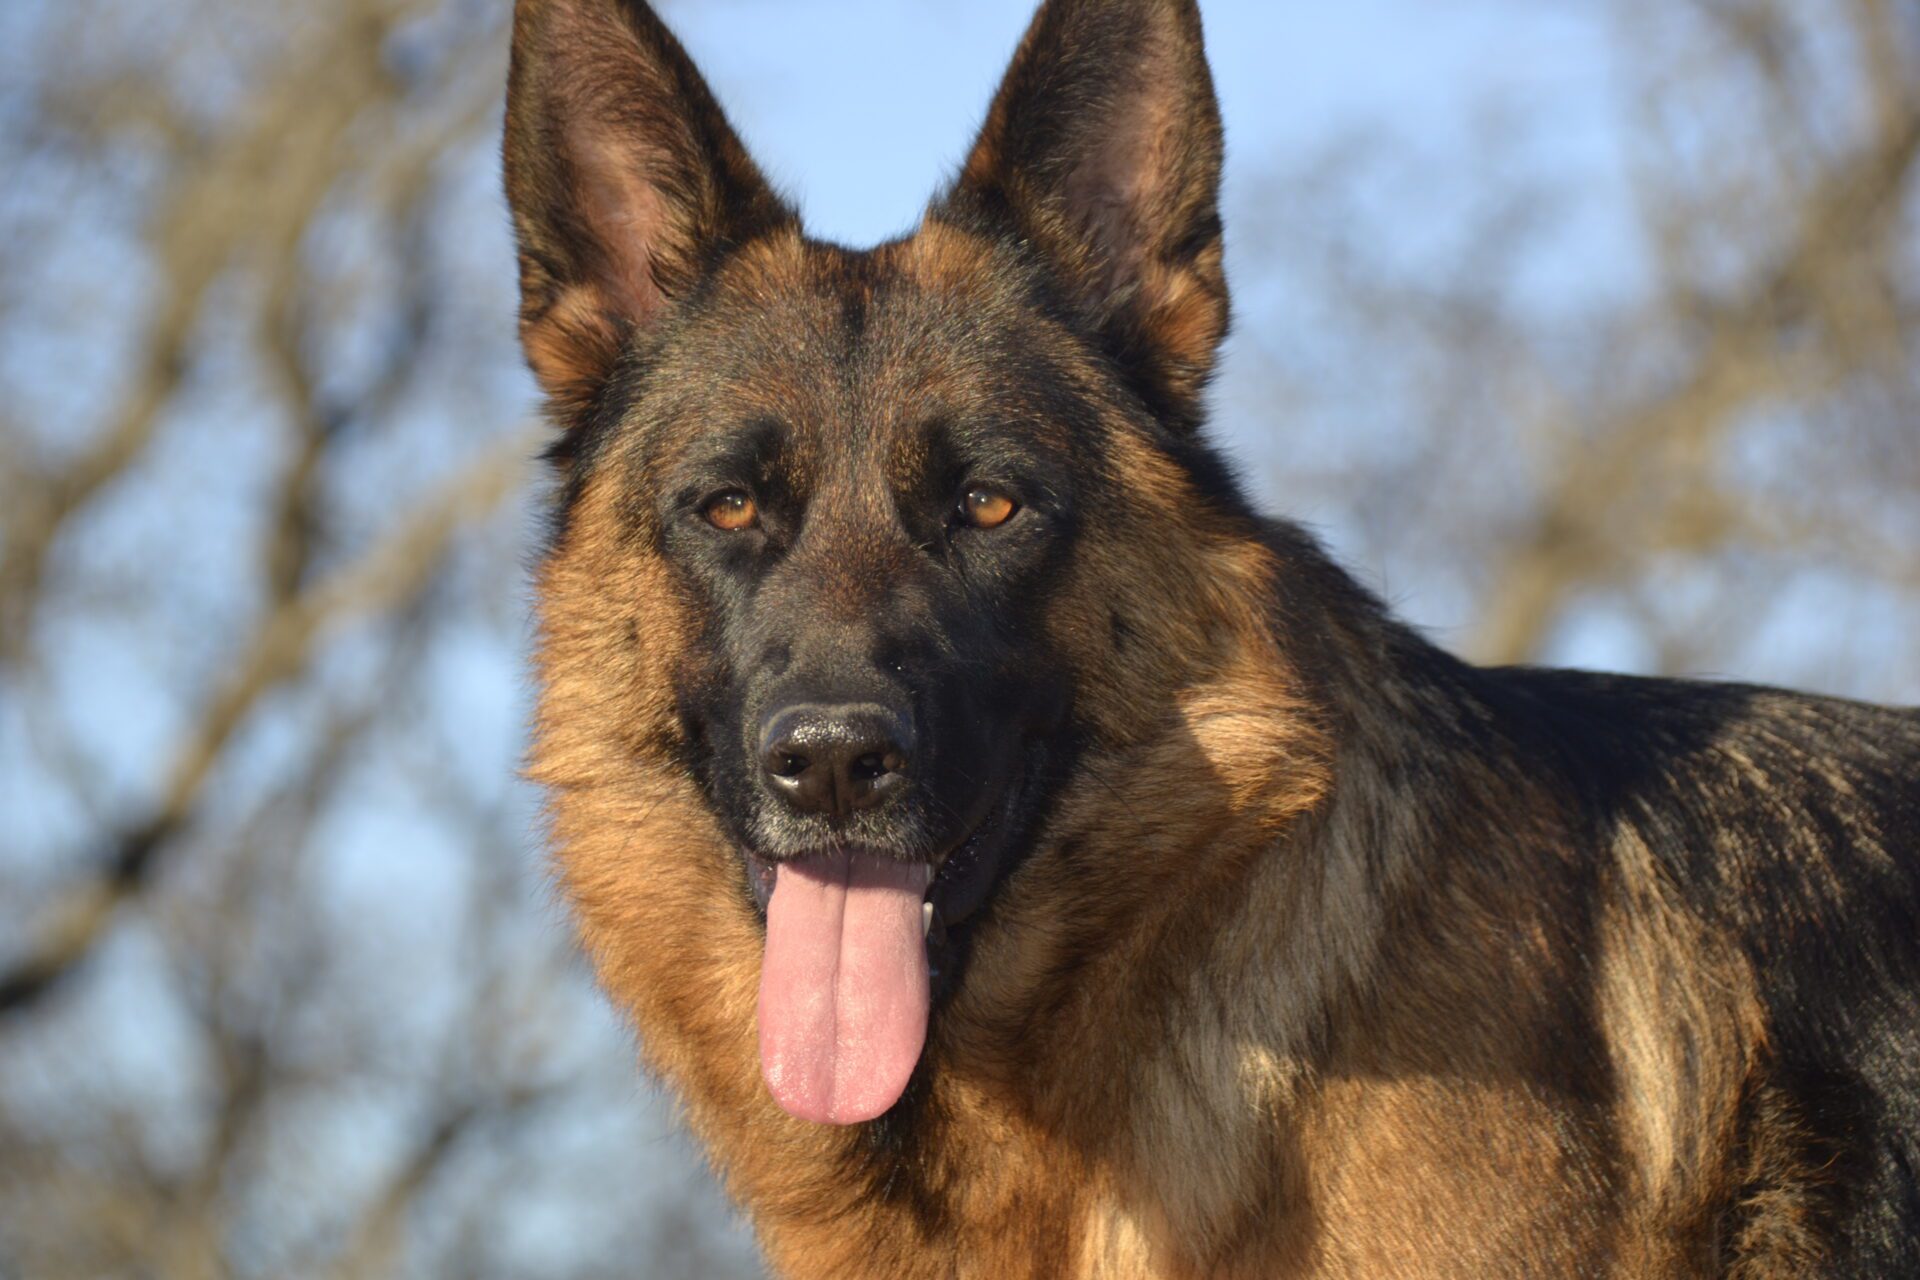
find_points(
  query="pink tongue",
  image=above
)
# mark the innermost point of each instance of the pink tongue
(843, 987)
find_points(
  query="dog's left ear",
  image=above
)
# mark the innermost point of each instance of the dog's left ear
(1102, 148)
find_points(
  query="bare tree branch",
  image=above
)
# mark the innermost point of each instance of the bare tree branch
(390, 572)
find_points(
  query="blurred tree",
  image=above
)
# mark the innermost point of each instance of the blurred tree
(279, 991)
(1705, 454)
(278, 994)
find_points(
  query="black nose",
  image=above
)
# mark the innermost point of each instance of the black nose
(834, 759)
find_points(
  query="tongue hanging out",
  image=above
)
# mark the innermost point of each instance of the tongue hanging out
(843, 987)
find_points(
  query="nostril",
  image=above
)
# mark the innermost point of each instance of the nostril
(868, 767)
(786, 764)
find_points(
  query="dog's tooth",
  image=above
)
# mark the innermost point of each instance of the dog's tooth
(926, 918)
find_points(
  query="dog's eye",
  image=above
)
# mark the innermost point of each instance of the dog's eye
(986, 508)
(732, 511)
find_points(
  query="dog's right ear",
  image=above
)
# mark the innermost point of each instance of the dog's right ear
(625, 181)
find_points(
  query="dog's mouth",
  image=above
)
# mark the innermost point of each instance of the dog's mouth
(858, 947)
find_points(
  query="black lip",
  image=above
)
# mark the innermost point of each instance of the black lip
(969, 876)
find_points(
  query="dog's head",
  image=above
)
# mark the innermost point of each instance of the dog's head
(860, 553)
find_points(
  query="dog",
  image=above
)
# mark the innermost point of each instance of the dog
(1022, 858)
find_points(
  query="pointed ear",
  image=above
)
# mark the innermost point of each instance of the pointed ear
(1103, 148)
(625, 181)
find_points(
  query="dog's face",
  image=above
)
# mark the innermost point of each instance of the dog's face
(837, 503)
(848, 477)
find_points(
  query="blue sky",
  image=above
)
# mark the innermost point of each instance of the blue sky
(862, 107)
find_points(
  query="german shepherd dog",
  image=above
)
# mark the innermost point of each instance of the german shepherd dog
(1022, 858)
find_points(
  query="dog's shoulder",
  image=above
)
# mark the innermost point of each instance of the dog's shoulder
(1787, 825)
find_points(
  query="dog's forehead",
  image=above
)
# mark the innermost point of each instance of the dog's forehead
(876, 342)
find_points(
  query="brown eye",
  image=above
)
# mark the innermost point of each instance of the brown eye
(732, 511)
(986, 509)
